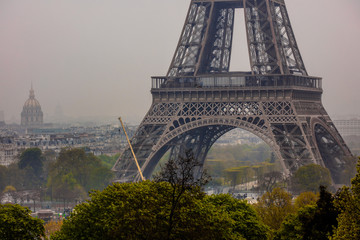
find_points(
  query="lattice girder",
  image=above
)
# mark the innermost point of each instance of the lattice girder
(206, 40)
(197, 125)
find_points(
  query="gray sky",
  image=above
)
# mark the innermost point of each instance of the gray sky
(96, 57)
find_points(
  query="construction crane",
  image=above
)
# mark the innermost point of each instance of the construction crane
(137, 164)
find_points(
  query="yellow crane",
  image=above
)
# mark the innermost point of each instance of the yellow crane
(137, 164)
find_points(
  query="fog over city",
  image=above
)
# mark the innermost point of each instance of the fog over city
(94, 58)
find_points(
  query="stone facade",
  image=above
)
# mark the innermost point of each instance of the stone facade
(8, 151)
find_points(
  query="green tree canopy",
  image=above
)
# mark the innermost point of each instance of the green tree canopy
(274, 206)
(305, 198)
(246, 223)
(75, 172)
(347, 201)
(141, 211)
(294, 225)
(314, 221)
(109, 161)
(16, 223)
(32, 157)
(310, 178)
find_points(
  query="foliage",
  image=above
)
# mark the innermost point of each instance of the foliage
(74, 173)
(347, 201)
(9, 188)
(66, 187)
(311, 221)
(171, 207)
(305, 198)
(109, 161)
(245, 220)
(29, 173)
(52, 226)
(32, 157)
(50, 158)
(16, 223)
(141, 211)
(269, 180)
(273, 207)
(294, 225)
(16, 177)
(310, 177)
(69, 176)
(326, 215)
(182, 175)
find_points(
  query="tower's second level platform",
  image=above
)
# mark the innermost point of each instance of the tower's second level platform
(236, 86)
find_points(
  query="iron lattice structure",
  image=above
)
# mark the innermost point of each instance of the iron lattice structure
(200, 100)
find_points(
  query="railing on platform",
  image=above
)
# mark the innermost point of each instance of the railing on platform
(218, 81)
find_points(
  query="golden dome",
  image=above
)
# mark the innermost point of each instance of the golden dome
(31, 114)
(32, 102)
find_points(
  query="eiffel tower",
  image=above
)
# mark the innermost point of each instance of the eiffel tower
(199, 99)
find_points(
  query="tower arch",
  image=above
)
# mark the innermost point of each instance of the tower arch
(199, 136)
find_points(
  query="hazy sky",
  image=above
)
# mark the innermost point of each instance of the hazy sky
(96, 57)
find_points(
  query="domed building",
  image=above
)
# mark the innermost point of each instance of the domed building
(31, 115)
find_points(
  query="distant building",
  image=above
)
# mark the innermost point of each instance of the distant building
(31, 115)
(2, 119)
(8, 151)
(348, 127)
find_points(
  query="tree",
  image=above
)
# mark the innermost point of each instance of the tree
(246, 223)
(347, 201)
(325, 219)
(16, 177)
(65, 187)
(31, 164)
(310, 177)
(305, 198)
(74, 173)
(141, 211)
(16, 223)
(109, 161)
(294, 225)
(315, 221)
(32, 157)
(181, 173)
(269, 180)
(52, 226)
(274, 206)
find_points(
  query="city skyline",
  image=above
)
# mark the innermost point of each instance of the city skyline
(96, 58)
